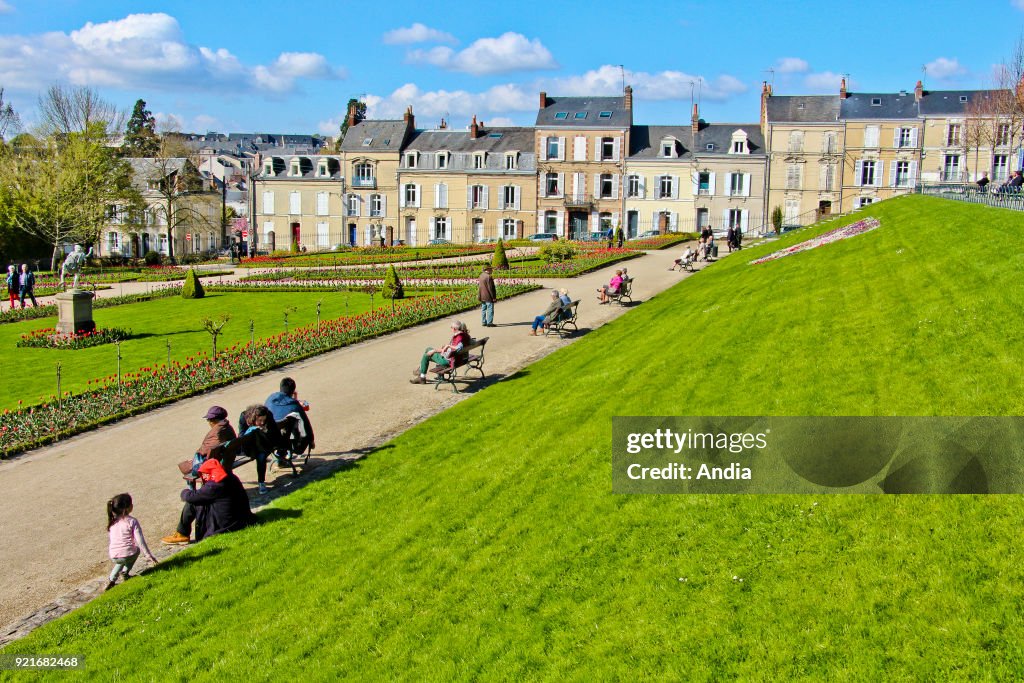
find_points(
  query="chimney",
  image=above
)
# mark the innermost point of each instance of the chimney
(444, 124)
(918, 91)
(474, 129)
(352, 115)
(695, 122)
(842, 89)
(410, 120)
(766, 92)
(543, 99)
(629, 98)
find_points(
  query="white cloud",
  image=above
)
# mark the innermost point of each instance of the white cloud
(943, 68)
(6, 7)
(166, 121)
(203, 123)
(147, 51)
(1019, 4)
(663, 85)
(508, 52)
(417, 33)
(825, 80)
(793, 65)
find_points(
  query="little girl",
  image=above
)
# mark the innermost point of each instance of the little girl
(125, 537)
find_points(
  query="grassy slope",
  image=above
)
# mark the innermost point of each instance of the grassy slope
(32, 371)
(506, 555)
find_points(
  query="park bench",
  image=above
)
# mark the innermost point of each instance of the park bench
(624, 294)
(230, 454)
(471, 358)
(566, 316)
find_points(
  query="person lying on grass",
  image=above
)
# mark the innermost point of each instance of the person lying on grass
(445, 357)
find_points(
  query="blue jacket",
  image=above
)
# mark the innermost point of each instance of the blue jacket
(281, 405)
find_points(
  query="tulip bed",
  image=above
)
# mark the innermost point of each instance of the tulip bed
(49, 338)
(111, 398)
(527, 268)
(365, 256)
(19, 314)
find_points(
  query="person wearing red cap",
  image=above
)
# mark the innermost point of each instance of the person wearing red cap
(219, 432)
(220, 505)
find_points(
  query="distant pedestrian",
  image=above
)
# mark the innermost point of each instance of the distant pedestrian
(610, 235)
(27, 286)
(983, 181)
(12, 285)
(620, 237)
(126, 539)
(730, 237)
(487, 295)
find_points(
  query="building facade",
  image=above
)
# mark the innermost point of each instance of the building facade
(299, 201)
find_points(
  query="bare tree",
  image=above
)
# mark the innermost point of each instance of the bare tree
(9, 120)
(64, 110)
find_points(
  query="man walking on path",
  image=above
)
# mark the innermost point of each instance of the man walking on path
(487, 296)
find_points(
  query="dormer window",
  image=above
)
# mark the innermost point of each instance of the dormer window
(605, 115)
(479, 160)
(668, 148)
(268, 167)
(321, 169)
(561, 115)
(367, 142)
(738, 144)
(442, 160)
(410, 159)
(963, 98)
(511, 161)
(876, 101)
(294, 168)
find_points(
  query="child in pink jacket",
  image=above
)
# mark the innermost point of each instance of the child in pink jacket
(126, 539)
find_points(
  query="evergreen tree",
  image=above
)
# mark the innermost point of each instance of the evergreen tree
(500, 261)
(360, 115)
(193, 288)
(392, 288)
(140, 138)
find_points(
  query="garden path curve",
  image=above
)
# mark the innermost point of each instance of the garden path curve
(54, 546)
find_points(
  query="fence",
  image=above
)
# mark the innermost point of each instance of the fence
(1009, 198)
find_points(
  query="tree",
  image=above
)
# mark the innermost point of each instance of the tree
(9, 120)
(61, 188)
(499, 261)
(214, 326)
(140, 138)
(193, 289)
(63, 111)
(777, 219)
(392, 288)
(360, 110)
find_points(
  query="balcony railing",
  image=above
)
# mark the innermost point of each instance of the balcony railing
(370, 183)
(580, 200)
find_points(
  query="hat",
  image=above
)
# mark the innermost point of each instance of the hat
(215, 413)
(213, 470)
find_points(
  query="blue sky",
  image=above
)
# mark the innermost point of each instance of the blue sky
(292, 66)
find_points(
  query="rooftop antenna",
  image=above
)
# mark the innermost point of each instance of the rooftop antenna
(771, 76)
(924, 73)
(622, 72)
(849, 83)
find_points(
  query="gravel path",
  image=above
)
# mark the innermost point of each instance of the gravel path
(54, 542)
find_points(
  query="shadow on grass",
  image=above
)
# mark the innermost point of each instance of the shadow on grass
(271, 515)
(182, 559)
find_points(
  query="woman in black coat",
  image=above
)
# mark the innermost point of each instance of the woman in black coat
(221, 503)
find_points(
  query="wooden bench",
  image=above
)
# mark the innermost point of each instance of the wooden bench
(566, 316)
(471, 358)
(231, 458)
(684, 264)
(624, 294)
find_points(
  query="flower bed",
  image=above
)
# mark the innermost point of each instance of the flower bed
(49, 338)
(847, 231)
(583, 263)
(366, 256)
(18, 314)
(149, 387)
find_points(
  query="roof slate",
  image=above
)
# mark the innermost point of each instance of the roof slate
(593, 106)
(803, 108)
(385, 136)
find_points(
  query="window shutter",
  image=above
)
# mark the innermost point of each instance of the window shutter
(725, 219)
(268, 202)
(892, 173)
(746, 184)
(616, 143)
(561, 149)
(579, 148)
(912, 174)
(913, 137)
(544, 149)
(655, 225)
(369, 234)
(559, 223)
(401, 196)
(858, 172)
(896, 136)
(642, 187)
(597, 184)
(561, 185)
(597, 149)
(295, 203)
(879, 168)
(673, 221)
(744, 216)
(384, 205)
(615, 187)
(711, 183)
(728, 184)
(321, 203)
(516, 195)
(486, 205)
(469, 196)
(675, 187)
(437, 196)
(695, 177)
(579, 186)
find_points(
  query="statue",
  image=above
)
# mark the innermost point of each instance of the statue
(74, 264)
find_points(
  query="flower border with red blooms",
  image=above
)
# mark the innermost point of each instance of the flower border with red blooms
(49, 338)
(845, 232)
(150, 387)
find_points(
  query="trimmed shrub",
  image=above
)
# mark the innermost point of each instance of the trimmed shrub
(193, 288)
(392, 288)
(500, 261)
(556, 252)
(294, 249)
(152, 258)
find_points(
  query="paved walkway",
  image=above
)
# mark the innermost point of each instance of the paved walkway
(53, 503)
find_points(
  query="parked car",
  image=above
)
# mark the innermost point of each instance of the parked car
(645, 235)
(488, 240)
(543, 237)
(435, 242)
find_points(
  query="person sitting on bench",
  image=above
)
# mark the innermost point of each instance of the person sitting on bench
(549, 314)
(613, 287)
(285, 403)
(445, 357)
(684, 260)
(259, 421)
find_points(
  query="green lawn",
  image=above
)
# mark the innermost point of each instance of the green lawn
(503, 554)
(153, 324)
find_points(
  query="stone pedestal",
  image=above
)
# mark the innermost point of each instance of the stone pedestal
(74, 312)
